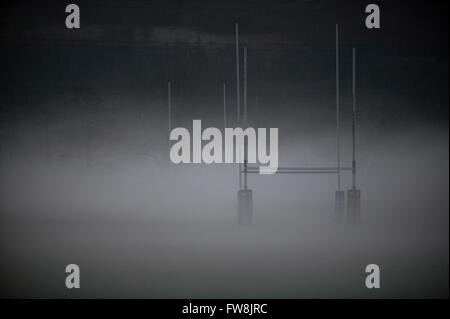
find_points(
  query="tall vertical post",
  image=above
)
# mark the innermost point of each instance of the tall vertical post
(354, 194)
(245, 202)
(339, 204)
(245, 118)
(224, 108)
(338, 146)
(353, 118)
(169, 105)
(238, 96)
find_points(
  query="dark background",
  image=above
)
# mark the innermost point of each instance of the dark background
(86, 176)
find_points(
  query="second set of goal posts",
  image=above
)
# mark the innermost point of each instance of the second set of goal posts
(245, 195)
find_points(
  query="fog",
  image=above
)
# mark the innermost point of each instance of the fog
(86, 176)
(148, 229)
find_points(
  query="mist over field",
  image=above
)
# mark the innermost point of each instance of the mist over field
(86, 176)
